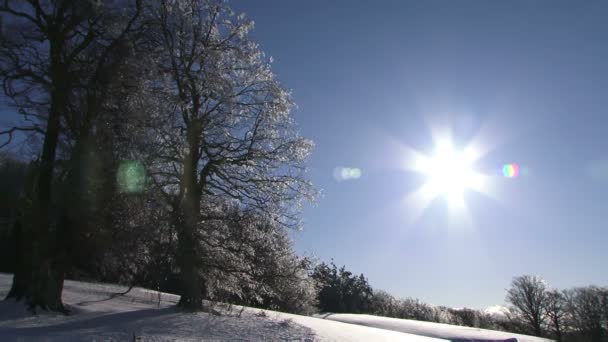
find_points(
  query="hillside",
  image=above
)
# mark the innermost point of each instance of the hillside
(437, 330)
(98, 315)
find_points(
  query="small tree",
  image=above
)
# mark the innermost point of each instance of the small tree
(528, 299)
(464, 316)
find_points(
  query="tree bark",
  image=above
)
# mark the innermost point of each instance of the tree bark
(189, 256)
(191, 282)
(39, 278)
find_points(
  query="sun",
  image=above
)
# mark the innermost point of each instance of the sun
(449, 173)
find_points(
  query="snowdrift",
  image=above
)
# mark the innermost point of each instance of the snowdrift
(437, 330)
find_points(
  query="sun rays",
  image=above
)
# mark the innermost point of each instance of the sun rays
(449, 173)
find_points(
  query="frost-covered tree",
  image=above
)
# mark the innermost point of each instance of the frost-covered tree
(414, 308)
(528, 299)
(226, 130)
(249, 259)
(383, 304)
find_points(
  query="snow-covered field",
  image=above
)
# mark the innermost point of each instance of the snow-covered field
(97, 315)
(443, 331)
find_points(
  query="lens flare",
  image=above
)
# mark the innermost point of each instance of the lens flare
(131, 176)
(346, 173)
(511, 170)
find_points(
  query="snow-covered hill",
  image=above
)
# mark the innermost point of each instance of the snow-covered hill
(437, 330)
(99, 315)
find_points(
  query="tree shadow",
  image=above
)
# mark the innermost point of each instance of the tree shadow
(110, 297)
(167, 323)
(327, 315)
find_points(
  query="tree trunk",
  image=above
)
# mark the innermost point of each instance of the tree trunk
(191, 282)
(39, 276)
(192, 290)
(21, 276)
(537, 329)
(189, 256)
(558, 330)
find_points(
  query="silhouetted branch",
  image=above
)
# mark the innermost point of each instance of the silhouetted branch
(11, 131)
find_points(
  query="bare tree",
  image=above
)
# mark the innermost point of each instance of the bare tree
(226, 129)
(464, 316)
(586, 312)
(555, 311)
(528, 299)
(42, 55)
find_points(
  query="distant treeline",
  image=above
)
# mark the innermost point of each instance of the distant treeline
(578, 314)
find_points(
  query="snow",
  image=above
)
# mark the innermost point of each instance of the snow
(498, 311)
(97, 315)
(437, 330)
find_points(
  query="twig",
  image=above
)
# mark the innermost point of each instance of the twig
(114, 295)
(11, 131)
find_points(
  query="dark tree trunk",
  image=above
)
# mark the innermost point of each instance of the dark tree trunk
(191, 282)
(39, 277)
(21, 276)
(537, 329)
(189, 256)
(39, 273)
(558, 330)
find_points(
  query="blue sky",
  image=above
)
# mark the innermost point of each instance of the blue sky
(526, 78)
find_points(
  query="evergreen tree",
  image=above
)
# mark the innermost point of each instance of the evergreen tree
(341, 291)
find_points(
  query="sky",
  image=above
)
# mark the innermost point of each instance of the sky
(524, 80)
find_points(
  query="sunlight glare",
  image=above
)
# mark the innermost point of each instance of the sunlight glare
(449, 172)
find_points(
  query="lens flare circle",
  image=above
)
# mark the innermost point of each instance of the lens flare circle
(131, 176)
(511, 170)
(346, 173)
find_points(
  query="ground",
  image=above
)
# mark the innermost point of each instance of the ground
(97, 314)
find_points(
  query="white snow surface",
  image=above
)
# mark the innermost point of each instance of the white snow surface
(96, 315)
(437, 330)
(498, 311)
